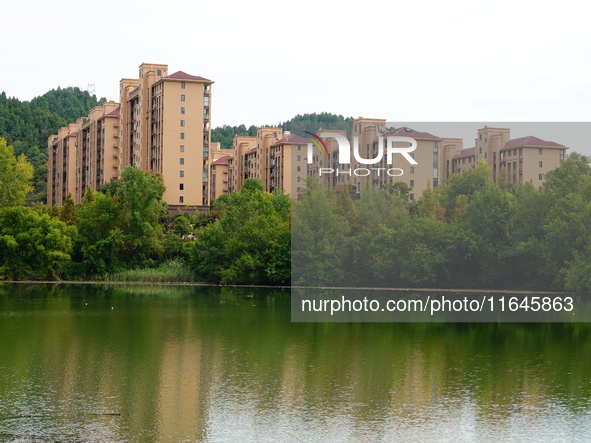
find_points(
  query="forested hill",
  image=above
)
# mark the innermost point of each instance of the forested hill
(26, 125)
(225, 134)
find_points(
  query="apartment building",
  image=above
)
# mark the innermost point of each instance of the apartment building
(165, 128)
(523, 159)
(529, 158)
(84, 154)
(433, 156)
(162, 124)
(288, 164)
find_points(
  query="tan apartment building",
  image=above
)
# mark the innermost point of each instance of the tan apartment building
(97, 148)
(162, 124)
(165, 128)
(241, 145)
(218, 171)
(433, 156)
(288, 166)
(61, 165)
(529, 158)
(251, 158)
(464, 161)
(83, 154)
(524, 159)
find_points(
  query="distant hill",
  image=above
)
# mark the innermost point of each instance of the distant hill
(312, 122)
(26, 125)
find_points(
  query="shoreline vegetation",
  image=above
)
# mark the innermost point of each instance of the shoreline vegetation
(469, 233)
(329, 288)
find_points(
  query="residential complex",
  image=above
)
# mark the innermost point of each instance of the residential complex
(162, 124)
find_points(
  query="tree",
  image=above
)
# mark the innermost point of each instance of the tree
(121, 231)
(32, 243)
(15, 176)
(249, 243)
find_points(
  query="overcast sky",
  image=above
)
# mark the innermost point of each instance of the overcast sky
(402, 61)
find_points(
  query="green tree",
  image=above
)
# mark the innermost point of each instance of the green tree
(249, 243)
(15, 176)
(32, 243)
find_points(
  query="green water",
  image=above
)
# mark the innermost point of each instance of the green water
(169, 363)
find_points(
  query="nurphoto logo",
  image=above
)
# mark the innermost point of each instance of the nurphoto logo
(391, 144)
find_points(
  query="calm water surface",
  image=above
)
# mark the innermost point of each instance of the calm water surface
(149, 363)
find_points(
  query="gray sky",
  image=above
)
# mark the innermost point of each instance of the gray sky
(402, 61)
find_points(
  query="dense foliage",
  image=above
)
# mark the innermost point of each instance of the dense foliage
(250, 242)
(472, 233)
(27, 125)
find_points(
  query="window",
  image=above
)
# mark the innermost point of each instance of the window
(412, 183)
(182, 135)
(182, 85)
(540, 163)
(299, 168)
(182, 110)
(412, 197)
(182, 123)
(562, 154)
(182, 187)
(159, 72)
(540, 151)
(412, 169)
(299, 158)
(299, 178)
(182, 148)
(541, 176)
(182, 161)
(182, 97)
(299, 147)
(206, 101)
(182, 174)
(181, 199)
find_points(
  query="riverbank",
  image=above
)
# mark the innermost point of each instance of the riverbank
(151, 283)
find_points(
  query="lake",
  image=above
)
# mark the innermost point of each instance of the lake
(220, 364)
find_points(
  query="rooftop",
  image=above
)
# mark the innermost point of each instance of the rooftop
(466, 152)
(222, 160)
(408, 132)
(292, 139)
(180, 75)
(530, 140)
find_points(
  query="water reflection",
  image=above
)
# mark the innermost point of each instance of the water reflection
(220, 364)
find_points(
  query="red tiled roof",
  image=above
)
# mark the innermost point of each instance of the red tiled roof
(252, 149)
(467, 152)
(530, 140)
(292, 139)
(72, 133)
(180, 75)
(408, 132)
(115, 112)
(222, 160)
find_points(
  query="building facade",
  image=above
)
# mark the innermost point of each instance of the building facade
(161, 125)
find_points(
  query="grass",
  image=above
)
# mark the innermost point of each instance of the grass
(168, 272)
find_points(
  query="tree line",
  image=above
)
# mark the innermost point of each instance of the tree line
(470, 233)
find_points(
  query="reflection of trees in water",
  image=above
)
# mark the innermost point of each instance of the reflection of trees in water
(178, 361)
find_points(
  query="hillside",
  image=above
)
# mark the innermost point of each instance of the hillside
(26, 126)
(225, 134)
